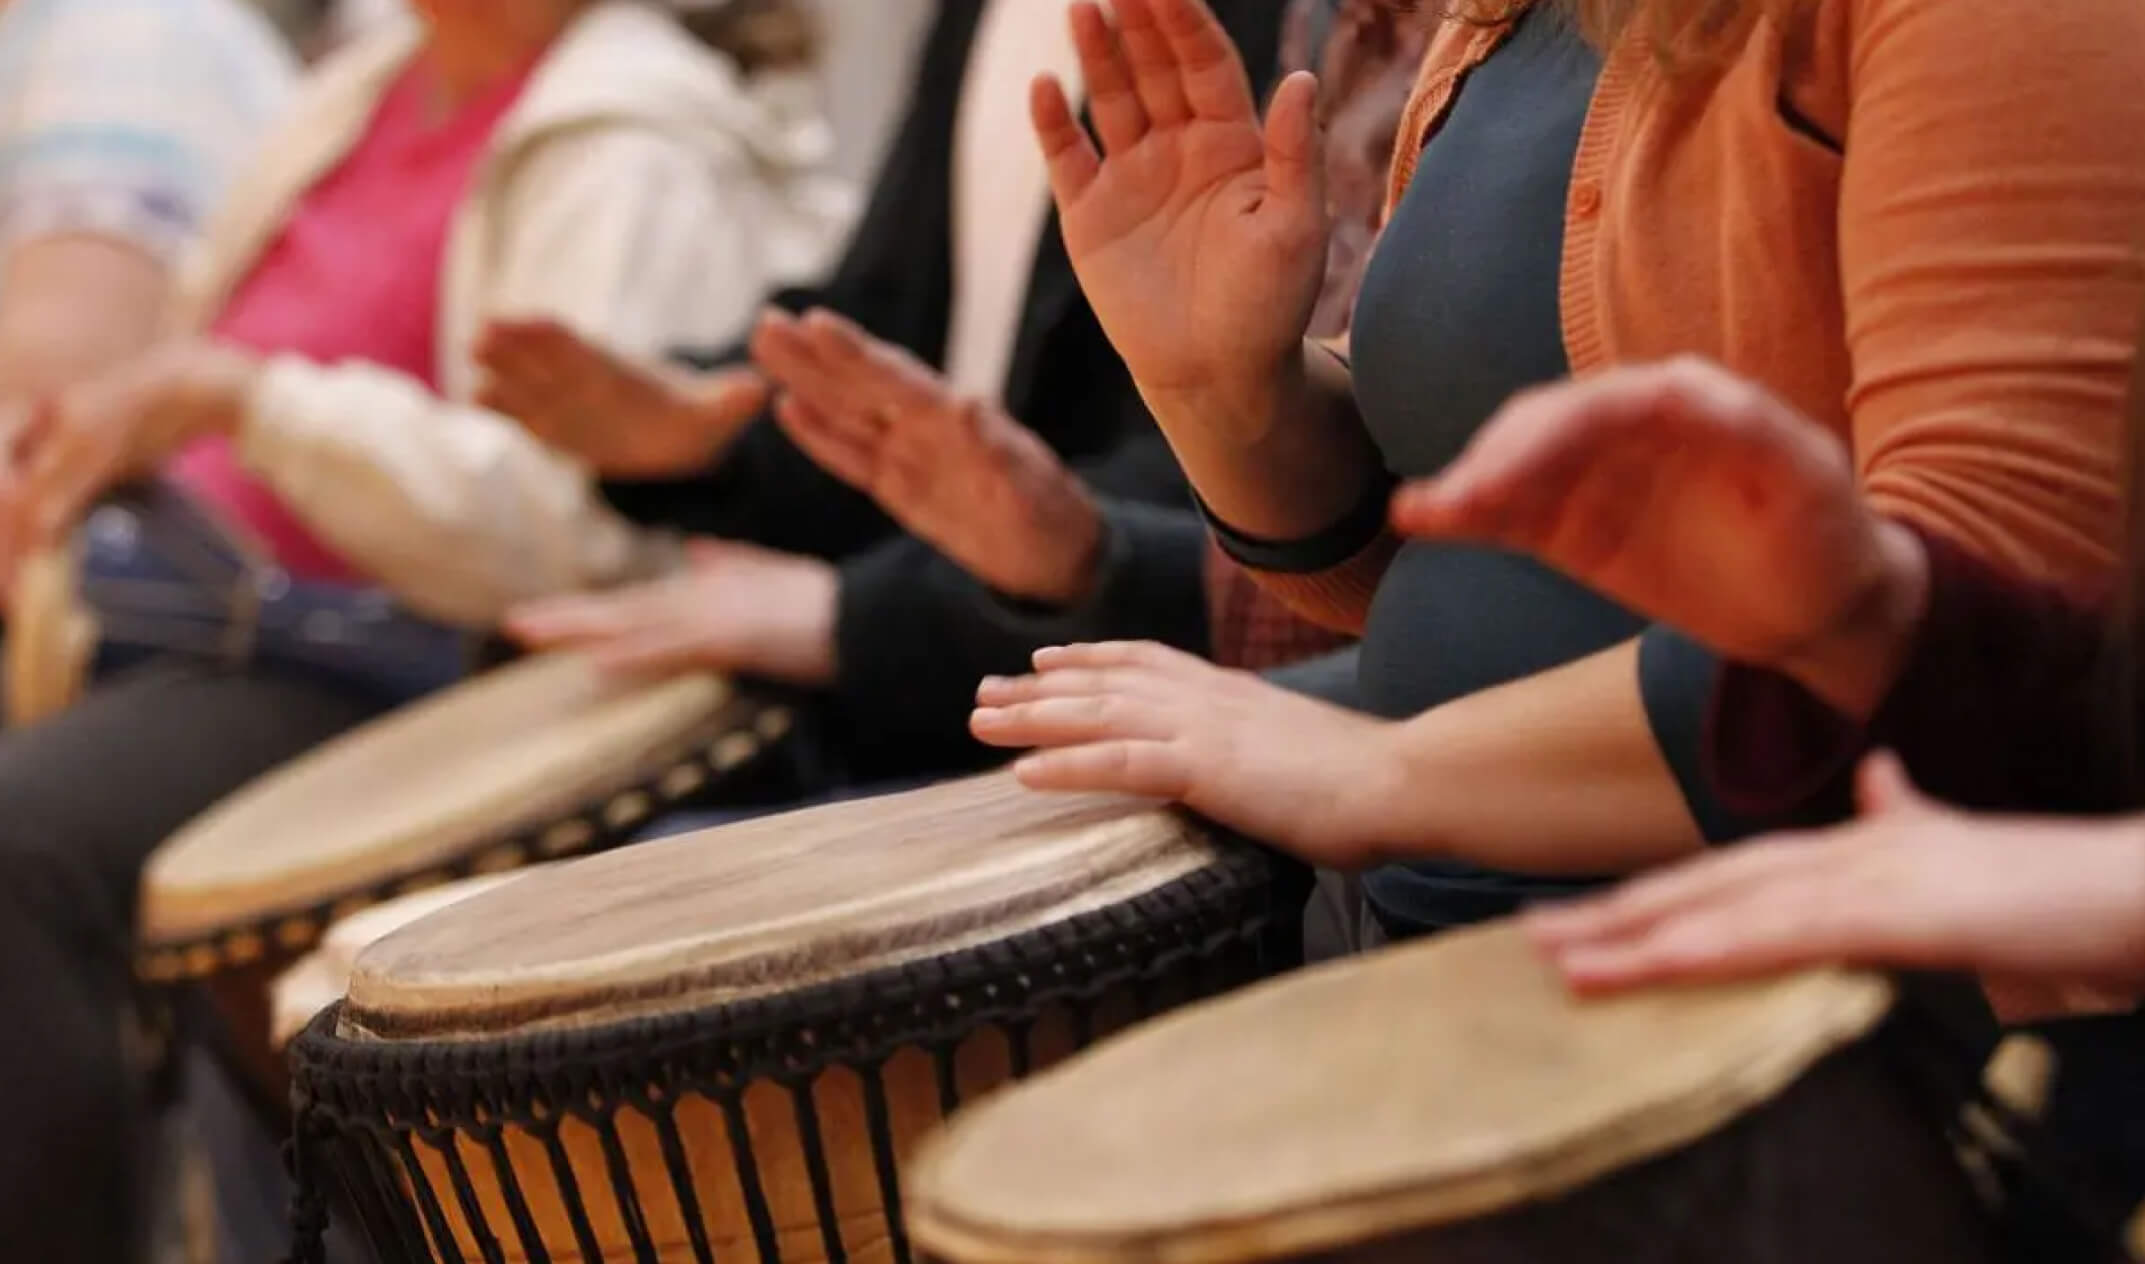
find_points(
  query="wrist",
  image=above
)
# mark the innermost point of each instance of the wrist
(1243, 406)
(1854, 663)
(207, 386)
(796, 644)
(1278, 455)
(1377, 819)
(1069, 562)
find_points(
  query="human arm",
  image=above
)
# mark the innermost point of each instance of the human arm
(2037, 906)
(75, 305)
(1191, 200)
(893, 279)
(1988, 338)
(453, 507)
(121, 129)
(1344, 790)
(622, 228)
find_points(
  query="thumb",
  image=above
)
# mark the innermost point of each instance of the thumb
(1882, 787)
(735, 397)
(1296, 146)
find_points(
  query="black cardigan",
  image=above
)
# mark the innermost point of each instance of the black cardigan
(915, 633)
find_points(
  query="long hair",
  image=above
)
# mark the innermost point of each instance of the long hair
(757, 34)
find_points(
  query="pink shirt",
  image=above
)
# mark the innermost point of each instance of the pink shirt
(354, 275)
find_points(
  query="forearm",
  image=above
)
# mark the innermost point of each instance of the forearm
(1282, 458)
(74, 307)
(1555, 774)
(458, 511)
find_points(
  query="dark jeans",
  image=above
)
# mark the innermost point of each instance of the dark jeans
(85, 798)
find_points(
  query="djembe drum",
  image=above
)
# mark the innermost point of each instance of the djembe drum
(319, 978)
(535, 761)
(1451, 1102)
(722, 1046)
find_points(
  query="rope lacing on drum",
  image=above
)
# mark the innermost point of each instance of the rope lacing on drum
(309, 1197)
(388, 1092)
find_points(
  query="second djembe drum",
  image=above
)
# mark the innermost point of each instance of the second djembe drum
(722, 1046)
(1450, 1102)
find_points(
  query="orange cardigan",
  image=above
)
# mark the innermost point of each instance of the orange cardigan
(1917, 220)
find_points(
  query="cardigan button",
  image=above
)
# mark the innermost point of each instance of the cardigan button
(1586, 199)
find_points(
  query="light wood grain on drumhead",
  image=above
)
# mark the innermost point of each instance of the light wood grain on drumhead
(766, 906)
(1421, 1086)
(508, 750)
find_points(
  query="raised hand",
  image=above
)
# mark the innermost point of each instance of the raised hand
(1145, 720)
(1198, 236)
(957, 472)
(2047, 909)
(736, 608)
(624, 420)
(1697, 499)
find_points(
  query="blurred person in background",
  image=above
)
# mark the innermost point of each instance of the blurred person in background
(589, 160)
(121, 123)
(1017, 523)
(955, 309)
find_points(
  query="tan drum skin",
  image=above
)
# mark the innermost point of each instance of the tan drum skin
(543, 758)
(758, 909)
(519, 765)
(1422, 1086)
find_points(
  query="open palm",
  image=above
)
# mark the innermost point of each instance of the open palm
(1198, 235)
(1679, 491)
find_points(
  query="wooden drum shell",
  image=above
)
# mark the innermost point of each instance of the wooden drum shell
(782, 1125)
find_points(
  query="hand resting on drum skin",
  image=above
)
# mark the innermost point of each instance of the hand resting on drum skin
(955, 471)
(624, 419)
(64, 452)
(1147, 720)
(735, 608)
(2051, 914)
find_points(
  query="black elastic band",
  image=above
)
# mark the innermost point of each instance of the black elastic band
(1309, 554)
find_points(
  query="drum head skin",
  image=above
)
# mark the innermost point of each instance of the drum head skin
(320, 978)
(1422, 1086)
(765, 907)
(437, 789)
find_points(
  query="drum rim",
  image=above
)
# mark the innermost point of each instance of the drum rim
(737, 738)
(1861, 1005)
(857, 1020)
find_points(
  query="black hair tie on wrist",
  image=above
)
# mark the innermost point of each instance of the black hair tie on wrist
(1321, 551)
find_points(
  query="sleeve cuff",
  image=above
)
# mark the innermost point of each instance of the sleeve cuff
(1781, 759)
(1772, 746)
(1147, 586)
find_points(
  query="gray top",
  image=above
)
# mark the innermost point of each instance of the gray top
(1459, 310)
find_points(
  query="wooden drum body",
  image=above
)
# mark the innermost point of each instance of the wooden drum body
(1449, 1102)
(539, 760)
(723, 1046)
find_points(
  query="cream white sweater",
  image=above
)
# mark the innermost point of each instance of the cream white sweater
(641, 189)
